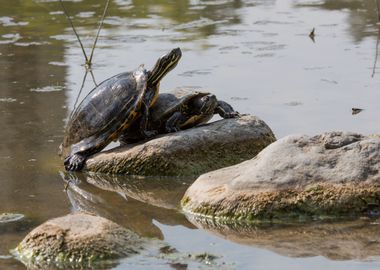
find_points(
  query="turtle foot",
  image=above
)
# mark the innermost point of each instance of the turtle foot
(74, 162)
(149, 133)
(232, 115)
(171, 129)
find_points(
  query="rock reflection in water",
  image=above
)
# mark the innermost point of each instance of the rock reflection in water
(165, 192)
(121, 203)
(349, 240)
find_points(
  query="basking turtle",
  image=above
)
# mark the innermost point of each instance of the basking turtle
(181, 109)
(112, 107)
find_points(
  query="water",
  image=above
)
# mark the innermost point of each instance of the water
(256, 55)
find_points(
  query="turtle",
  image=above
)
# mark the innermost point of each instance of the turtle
(180, 109)
(111, 107)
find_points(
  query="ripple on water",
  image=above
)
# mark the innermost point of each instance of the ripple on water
(8, 100)
(60, 64)
(10, 38)
(191, 73)
(87, 14)
(32, 43)
(49, 88)
(8, 21)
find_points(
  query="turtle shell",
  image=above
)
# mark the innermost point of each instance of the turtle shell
(169, 103)
(105, 112)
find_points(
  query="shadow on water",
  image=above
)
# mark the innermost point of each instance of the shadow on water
(133, 202)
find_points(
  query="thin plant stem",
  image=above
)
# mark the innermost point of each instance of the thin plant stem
(377, 54)
(80, 91)
(99, 28)
(93, 77)
(378, 9)
(76, 34)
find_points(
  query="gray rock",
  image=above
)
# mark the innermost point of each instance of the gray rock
(189, 152)
(326, 176)
(77, 240)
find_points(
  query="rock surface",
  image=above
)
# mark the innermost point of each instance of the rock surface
(326, 176)
(77, 239)
(189, 152)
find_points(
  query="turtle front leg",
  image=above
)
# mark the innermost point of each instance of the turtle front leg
(174, 122)
(75, 162)
(225, 110)
(145, 116)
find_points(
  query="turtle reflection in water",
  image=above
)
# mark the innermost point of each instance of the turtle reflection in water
(111, 107)
(181, 109)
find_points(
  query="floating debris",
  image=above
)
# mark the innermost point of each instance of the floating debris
(50, 88)
(329, 81)
(293, 103)
(206, 258)
(312, 35)
(5, 257)
(168, 250)
(10, 217)
(356, 110)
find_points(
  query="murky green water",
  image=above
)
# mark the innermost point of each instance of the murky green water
(255, 55)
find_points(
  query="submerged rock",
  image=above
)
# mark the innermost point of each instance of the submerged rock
(189, 152)
(326, 176)
(77, 240)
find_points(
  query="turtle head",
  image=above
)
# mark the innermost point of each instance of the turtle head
(204, 104)
(163, 65)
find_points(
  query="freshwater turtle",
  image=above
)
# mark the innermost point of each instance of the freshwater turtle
(181, 109)
(112, 107)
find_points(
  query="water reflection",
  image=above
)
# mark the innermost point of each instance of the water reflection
(131, 202)
(351, 240)
(362, 17)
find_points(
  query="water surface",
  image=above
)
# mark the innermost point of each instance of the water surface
(256, 55)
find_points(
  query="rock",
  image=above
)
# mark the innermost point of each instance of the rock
(77, 240)
(332, 175)
(347, 240)
(189, 152)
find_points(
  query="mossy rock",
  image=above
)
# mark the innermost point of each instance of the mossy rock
(77, 240)
(328, 176)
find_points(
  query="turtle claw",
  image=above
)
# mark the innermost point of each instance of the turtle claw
(149, 133)
(171, 129)
(74, 162)
(232, 115)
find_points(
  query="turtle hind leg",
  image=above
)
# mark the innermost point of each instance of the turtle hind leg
(74, 162)
(174, 122)
(225, 110)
